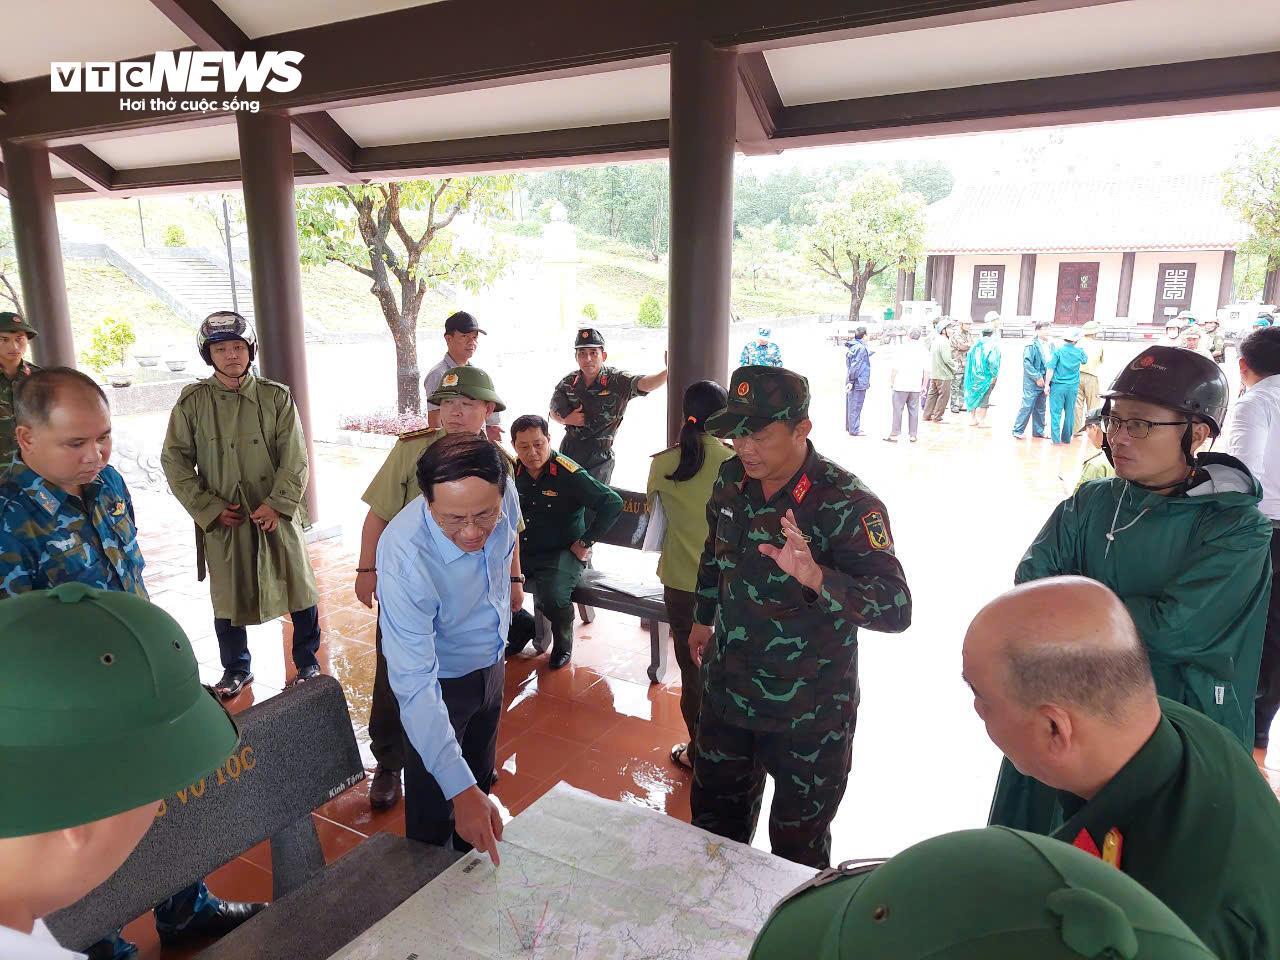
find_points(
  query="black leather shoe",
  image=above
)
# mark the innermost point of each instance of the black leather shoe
(559, 658)
(304, 674)
(211, 922)
(232, 682)
(384, 790)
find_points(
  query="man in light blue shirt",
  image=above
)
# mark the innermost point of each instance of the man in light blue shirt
(444, 595)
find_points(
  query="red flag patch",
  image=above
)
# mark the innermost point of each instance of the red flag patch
(802, 488)
(1085, 842)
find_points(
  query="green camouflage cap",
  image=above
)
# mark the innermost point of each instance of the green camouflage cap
(588, 337)
(101, 709)
(759, 396)
(11, 322)
(993, 894)
(470, 382)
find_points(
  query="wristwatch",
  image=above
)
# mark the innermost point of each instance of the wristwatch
(519, 579)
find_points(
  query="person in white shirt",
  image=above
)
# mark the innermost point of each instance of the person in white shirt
(461, 338)
(1255, 439)
(909, 365)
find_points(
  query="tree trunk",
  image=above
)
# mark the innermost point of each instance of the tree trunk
(855, 303)
(408, 394)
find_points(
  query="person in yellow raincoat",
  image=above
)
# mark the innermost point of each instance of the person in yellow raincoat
(235, 458)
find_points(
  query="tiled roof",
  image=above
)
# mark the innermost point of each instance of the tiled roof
(1171, 213)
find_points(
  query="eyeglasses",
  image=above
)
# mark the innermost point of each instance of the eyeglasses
(481, 521)
(1136, 427)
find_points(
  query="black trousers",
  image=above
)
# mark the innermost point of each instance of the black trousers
(474, 702)
(680, 604)
(1268, 701)
(386, 734)
(233, 642)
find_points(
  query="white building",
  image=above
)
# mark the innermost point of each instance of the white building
(1136, 251)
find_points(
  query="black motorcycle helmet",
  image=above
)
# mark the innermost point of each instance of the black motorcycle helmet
(1179, 379)
(225, 325)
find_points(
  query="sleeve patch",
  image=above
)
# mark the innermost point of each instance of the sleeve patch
(873, 523)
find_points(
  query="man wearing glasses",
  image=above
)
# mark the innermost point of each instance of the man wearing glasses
(1178, 537)
(444, 598)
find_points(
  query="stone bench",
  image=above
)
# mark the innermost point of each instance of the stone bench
(297, 752)
(642, 598)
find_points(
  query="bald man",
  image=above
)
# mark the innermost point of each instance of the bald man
(1063, 684)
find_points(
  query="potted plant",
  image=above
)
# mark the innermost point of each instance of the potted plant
(120, 378)
(146, 359)
(109, 340)
(176, 365)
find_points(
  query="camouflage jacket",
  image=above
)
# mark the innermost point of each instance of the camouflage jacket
(784, 657)
(48, 537)
(760, 353)
(8, 444)
(603, 404)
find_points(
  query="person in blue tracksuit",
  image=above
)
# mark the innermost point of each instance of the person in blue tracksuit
(1035, 366)
(1063, 377)
(857, 365)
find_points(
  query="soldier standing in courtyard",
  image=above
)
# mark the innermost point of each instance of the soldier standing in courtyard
(590, 404)
(799, 555)
(15, 334)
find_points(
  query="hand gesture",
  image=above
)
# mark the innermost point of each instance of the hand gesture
(493, 432)
(478, 822)
(699, 637)
(366, 585)
(575, 419)
(580, 550)
(266, 518)
(794, 557)
(230, 517)
(517, 596)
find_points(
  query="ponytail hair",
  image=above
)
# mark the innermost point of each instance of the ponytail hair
(701, 400)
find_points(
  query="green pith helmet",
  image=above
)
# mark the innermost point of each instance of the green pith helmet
(993, 894)
(101, 709)
(759, 396)
(470, 382)
(11, 322)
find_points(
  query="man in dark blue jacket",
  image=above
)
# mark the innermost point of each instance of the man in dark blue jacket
(857, 365)
(1035, 390)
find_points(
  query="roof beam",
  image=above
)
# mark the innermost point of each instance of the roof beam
(759, 104)
(641, 140)
(1201, 86)
(89, 168)
(324, 140)
(352, 62)
(213, 175)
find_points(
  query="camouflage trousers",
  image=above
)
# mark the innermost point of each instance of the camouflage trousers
(957, 391)
(810, 771)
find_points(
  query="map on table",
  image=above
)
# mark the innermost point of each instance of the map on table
(583, 877)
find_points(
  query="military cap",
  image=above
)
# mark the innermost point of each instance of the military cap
(470, 382)
(11, 322)
(462, 322)
(101, 709)
(588, 337)
(993, 894)
(1091, 327)
(1073, 335)
(759, 396)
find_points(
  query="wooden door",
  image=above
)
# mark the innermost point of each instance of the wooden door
(1077, 293)
(988, 290)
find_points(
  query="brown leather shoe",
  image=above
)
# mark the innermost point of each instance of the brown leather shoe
(384, 791)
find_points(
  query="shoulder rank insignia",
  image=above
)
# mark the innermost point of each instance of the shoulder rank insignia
(802, 488)
(566, 463)
(417, 434)
(877, 532)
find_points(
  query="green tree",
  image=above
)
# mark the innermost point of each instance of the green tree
(755, 251)
(932, 179)
(399, 235)
(872, 225)
(1252, 192)
(110, 338)
(651, 312)
(8, 264)
(175, 236)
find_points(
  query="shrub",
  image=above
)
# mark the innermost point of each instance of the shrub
(174, 236)
(590, 312)
(651, 312)
(108, 341)
(386, 422)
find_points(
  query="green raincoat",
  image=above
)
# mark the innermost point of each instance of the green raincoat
(1194, 571)
(246, 447)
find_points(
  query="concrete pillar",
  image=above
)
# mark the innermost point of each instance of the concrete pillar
(1026, 284)
(703, 129)
(1126, 284)
(35, 240)
(1227, 282)
(266, 161)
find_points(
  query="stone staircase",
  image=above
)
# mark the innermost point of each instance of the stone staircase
(197, 285)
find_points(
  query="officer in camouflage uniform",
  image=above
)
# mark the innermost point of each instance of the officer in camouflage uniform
(761, 351)
(66, 517)
(556, 496)
(993, 894)
(799, 555)
(591, 403)
(15, 333)
(961, 344)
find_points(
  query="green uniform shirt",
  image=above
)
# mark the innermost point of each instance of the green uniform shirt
(8, 442)
(784, 657)
(1096, 467)
(245, 447)
(603, 404)
(944, 360)
(684, 503)
(554, 506)
(1198, 827)
(395, 485)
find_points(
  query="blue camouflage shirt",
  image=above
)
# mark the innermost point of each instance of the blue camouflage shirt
(48, 536)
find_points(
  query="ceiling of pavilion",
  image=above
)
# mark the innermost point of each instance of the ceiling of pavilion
(816, 85)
